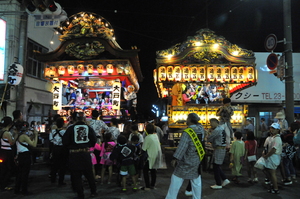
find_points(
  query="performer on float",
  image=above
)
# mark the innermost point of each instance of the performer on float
(131, 98)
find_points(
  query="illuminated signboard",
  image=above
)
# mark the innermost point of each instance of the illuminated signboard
(2, 47)
(116, 95)
(57, 93)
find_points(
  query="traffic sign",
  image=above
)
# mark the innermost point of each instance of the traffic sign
(272, 61)
(271, 42)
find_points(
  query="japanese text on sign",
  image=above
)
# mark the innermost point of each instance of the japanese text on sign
(56, 90)
(47, 23)
(116, 95)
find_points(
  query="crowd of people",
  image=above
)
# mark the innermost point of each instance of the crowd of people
(197, 94)
(93, 149)
(83, 147)
(280, 146)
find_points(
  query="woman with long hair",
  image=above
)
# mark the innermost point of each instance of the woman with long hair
(23, 157)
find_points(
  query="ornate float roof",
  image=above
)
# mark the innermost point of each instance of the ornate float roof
(88, 36)
(207, 48)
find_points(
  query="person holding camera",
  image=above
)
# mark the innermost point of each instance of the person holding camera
(23, 159)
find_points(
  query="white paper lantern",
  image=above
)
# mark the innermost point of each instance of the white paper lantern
(15, 74)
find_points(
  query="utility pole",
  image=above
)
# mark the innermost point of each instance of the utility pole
(288, 50)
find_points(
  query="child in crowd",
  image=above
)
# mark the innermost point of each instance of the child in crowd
(106, 149)
(135, 132)
(135, 140)
(123, 153)
(237, 151)
(94, 159)
(250, 157)
(288, 153)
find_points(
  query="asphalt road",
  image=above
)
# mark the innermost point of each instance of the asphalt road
(40, 185)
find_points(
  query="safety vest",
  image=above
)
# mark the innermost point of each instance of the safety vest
(196, 141)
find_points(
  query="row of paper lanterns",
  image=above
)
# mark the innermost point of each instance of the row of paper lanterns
(61, 70)
(205, 73)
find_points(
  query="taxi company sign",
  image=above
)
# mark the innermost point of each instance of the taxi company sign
(269, 88)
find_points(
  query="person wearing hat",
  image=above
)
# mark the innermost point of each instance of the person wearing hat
(273, 157)
(282, 121)
(188, 159)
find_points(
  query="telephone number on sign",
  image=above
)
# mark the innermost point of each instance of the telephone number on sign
(278, 96)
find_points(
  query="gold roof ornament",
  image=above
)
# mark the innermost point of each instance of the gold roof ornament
(205, 48)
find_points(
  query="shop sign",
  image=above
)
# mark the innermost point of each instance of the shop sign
(57, 95)
(116, 95)
(15, 73)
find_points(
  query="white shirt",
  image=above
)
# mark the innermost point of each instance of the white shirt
(115, 132)
(98, 126)
(57, 139)
(141, 139)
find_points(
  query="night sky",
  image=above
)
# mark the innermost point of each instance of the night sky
(153, 25)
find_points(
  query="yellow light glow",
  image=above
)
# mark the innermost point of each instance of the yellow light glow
(198, 44)
(215, 46)
(235, 53)
(169, 56)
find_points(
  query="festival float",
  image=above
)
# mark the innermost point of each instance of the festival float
(206, 68)
(90, 60)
